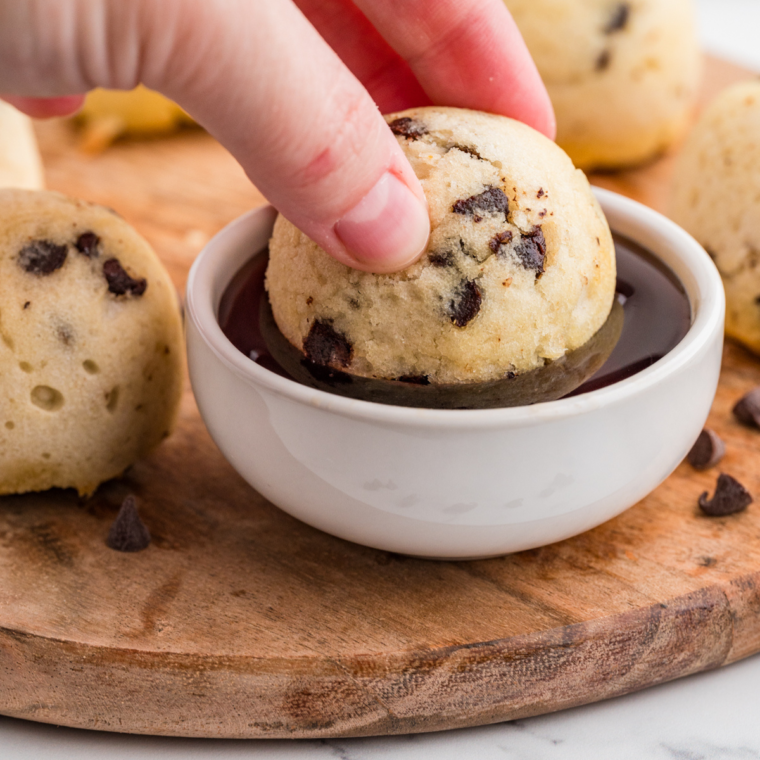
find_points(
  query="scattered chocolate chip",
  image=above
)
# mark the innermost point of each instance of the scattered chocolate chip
(730, 497)
(707, 561)
(309, 301)
(119, 282)
(467, 149)
(414, 379)
(463, 308)
(531, 250)
(324, 345)
(747, 408)
(500, 239)
(128, 532)
(441, 258)
(42, 257)
(618, 19)
(541, 192)
(27, 304)
(409, 128)
(88, 244)
(707, 451)
(491, 201)
(603, 60)
(510, 375)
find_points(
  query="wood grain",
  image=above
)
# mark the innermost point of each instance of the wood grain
(239, 621)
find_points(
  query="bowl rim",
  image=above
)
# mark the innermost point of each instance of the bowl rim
(208, 278)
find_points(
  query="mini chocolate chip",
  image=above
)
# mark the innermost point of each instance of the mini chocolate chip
(441, 258)
(603, 60)
(120, 283)
(707, 451)
(65, 334)
(409, 128)
(747, 408)
(414, 379)
(128, 532)
(619, 18)
(510, 375)
(88, 244)
(309, 301)
(326, 346)
(42, 257)
(541, 192)
(467, 149)
(500, 239)
(531, 250)
(730, 497)
(707, 561)
(464, 307)
(27, 304)
(491, 201)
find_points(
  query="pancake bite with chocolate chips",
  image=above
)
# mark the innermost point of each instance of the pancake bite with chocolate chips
(622, 74)
(90, 344)
(519, 272)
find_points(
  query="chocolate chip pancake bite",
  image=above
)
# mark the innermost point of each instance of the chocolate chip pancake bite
(90, 344)
(622, 74)
(20, 162)
(716, 197)
(519, 272)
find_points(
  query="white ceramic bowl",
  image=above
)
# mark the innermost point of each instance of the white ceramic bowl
(456, 483)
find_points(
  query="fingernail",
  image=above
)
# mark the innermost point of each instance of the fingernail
(388, 229)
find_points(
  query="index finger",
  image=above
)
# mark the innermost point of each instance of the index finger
(466, 53)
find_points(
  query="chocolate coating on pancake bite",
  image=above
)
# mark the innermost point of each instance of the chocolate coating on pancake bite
(519, 268)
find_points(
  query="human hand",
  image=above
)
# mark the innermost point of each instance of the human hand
(292, 89)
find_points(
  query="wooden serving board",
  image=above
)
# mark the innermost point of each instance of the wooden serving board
(239, 621)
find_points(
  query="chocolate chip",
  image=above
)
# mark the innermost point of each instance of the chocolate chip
(467, 149)
(531, 250)
(707, 451)
(128, 532)
(464, 307)
(326, 346)
(120, 283)
(500, 239)
(541, 192)
(603, 60)
(619, 18)
(88, 244)
(491, 201)
(441, 258)
(409, 128)
(309, 301)
(42, 257)
(414, 379)
(730, 497)
(747, 408)
(27, 304)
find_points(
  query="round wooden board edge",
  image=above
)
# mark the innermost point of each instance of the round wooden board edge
(371, 695)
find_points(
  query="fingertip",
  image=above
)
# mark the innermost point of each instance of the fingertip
(387, 230)
(45, 108)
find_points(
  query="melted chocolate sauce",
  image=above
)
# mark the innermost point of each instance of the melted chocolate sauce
(655, 304)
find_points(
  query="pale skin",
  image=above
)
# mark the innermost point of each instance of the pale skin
(293, 88)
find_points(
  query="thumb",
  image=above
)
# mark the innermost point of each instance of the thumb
(303, 127)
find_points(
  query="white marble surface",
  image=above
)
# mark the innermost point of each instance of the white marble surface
(711, 716)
